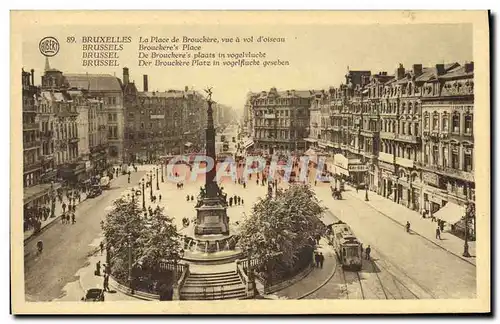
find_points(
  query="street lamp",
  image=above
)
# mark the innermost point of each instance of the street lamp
(466, 240)
(157, 185)
(151, 185)
(129, 246)
(366, 183)
(143, 196)
(162, 167)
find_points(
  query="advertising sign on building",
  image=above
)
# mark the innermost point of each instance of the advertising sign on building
(157, 116)
(358, 168)
(430, 178)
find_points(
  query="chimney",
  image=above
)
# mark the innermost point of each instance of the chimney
(440, 69)
(145, 82)
(400, 72)
(417, 69)
(125, 75)
(469, 67)
(33, 77)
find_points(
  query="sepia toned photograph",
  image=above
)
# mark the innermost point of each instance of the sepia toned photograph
(323, 161)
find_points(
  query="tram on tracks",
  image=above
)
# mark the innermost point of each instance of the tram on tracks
(346, 245)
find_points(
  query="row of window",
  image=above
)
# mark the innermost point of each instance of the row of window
(449, 156)
(441, 122)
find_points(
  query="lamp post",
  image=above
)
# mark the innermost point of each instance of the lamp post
(162, 167)
(133, 194)
(151, 185)
(129, 246)
(157, 185)
(366, 183)
(143, 196)
(466, 239)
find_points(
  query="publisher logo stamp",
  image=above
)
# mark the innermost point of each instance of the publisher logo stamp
(49, 46)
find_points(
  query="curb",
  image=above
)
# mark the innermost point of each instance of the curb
(46, 226)
(427, 239)
(126, 291)
(330, 276)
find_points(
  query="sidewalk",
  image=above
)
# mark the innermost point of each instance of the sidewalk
(424, 227)
(316, 279)
(58, 212)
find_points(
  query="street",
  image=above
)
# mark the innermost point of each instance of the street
(432, 270)
(67, 247)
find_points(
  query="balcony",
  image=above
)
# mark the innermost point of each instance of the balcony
(368, 133)
(387, 135)
(31, 145)
(408, 138)
(32, 167)
(447, 171)
(47, 157)
(47, 134)
(30, 126)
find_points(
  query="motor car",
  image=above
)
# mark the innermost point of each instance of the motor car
(94, 192)
(94, 295)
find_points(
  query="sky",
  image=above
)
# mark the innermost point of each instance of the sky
(318, 55)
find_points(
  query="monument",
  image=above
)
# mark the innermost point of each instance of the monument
(211, 210)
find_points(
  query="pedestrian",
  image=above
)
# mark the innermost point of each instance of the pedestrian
(63, 218)
(257, 181)
(106, 282)
(98, 268)
(244, 185)
(159, 197)
(357, 188)
(64, 207)
(73, 218)
(187, 198)
(239, 200)
(101, 245)
(367, 252)
(316, 259)
(321, 259)
(230, 201)
(192, 198)
(315, 182)
(242, 201)
(438, 233)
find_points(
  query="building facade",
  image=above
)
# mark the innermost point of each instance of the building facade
(161, 123)
(108, 90)
(281, 120)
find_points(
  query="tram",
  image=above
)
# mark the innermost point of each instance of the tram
(346, 245)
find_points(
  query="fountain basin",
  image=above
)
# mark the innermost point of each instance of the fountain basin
(211, 248)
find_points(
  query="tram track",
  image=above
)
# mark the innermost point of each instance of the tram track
(390, 287)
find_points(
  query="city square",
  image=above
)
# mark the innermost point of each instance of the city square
(361, 190)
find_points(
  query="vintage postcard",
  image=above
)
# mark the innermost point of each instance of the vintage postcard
(252, 162)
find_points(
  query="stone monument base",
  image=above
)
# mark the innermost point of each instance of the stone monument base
(211, 218)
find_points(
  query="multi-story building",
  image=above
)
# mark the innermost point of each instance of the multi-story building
(98, 136)
(315, 118)
(447, 166)
(248, 114)
(58, 100)
(108, 90)
(37, 188)
(161, 123)
(281, 120)
(31, 131)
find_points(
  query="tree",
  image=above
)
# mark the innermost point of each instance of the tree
(280, 228)
(160, 239)
(152, 240)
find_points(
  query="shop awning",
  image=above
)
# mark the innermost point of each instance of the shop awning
(37, 191)
(450, 213)
(188, 144)
(341, 171)
(247, 144)
(310, 152)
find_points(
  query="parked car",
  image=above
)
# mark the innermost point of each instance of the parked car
(94, 295)
(94, 191)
